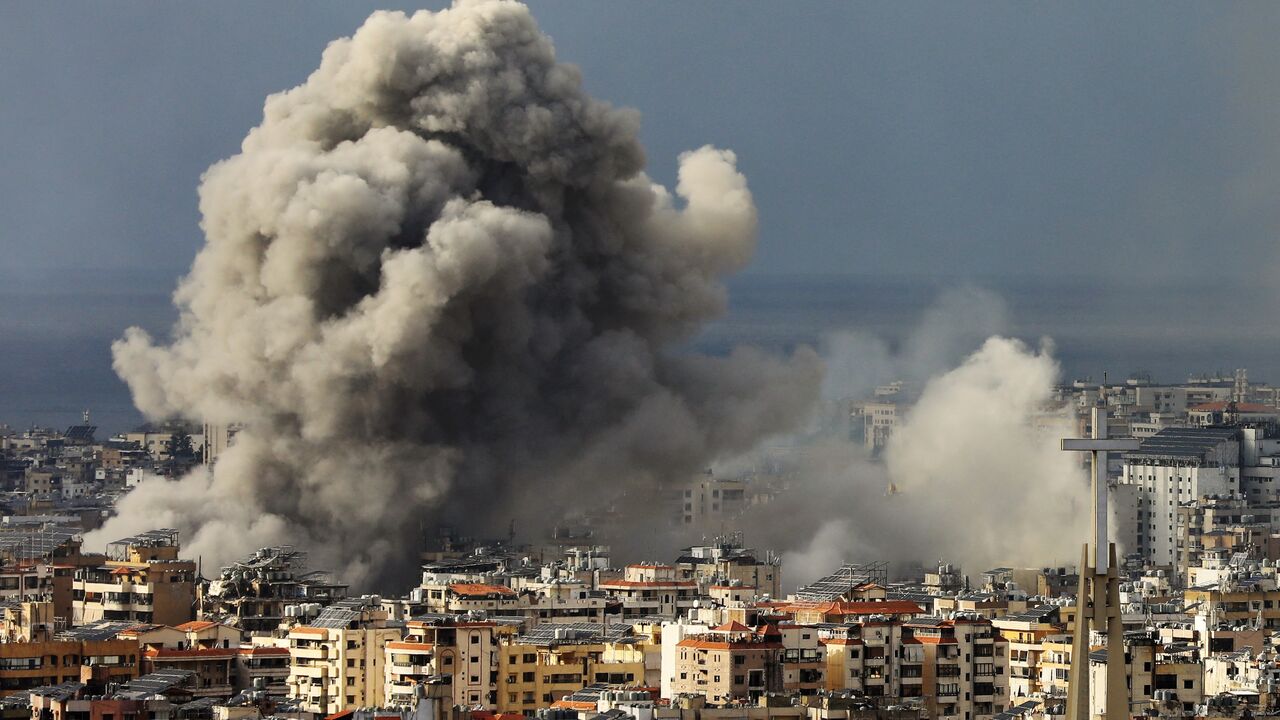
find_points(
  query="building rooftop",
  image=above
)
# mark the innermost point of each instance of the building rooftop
(156, 683)
(1183, 443)
(844, 580)
(576, 634)
(104, 630)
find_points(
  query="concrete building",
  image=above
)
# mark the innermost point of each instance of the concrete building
(879, 418)
(647, 590)
(1025, 634)
(26, 665)
(729, 662)
(255, 593)
(466, 648)
(337, 660)
(142, 581)
(708, 500)
(549, 663)
(960, 666)
(1176, 466)
(727, 561)
(206, 649)
(265, 665)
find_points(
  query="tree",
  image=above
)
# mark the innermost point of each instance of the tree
(179, 446)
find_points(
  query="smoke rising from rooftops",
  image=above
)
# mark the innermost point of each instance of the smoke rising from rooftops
(974, 466)
(438, 285)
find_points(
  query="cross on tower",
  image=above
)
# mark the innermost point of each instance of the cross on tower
(1098, 599)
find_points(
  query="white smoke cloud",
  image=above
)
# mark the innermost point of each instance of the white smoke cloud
(955, 324)
(976, 470)
(437, 284)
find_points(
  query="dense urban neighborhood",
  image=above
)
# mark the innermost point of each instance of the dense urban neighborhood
(559, 628)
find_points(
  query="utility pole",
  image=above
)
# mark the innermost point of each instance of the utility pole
(1098, 598)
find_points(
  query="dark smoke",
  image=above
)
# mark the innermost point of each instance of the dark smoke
(438, 287)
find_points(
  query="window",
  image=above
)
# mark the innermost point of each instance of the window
(475, 638)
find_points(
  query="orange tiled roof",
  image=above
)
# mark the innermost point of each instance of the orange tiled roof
(195, 626)
(196, 652)
(399, 645)
(263, 650)
(480, 589)
(886, 607)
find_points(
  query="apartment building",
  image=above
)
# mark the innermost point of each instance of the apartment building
(550, 662)
(142, 581)
(207, 649)
(1025, 634)
(264, 664)
(255, 593)
(648, 590)
(336, 661)
(1156, 677)
(803, 658)
(462, 646)
(708, 500)
(727, 561)
(1172, 467)
(958, 666)
(859, 656)
(728, 663)
(562, 601)
(27, 665)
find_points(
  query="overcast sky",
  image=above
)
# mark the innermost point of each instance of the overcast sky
(968, 139)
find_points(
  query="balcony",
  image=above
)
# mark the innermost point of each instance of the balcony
(402, 692)
(311, 671)
(310, 653)
(405, 670)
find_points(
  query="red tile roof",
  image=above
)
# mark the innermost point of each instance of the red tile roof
(415, 646)
(197, 652)
(480, 589)
(886, 607)
(263, 650)
(703, 644)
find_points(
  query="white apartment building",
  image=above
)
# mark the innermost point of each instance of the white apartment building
(1173, 467)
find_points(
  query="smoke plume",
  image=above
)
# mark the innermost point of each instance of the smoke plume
(972, 474)
(438, 287)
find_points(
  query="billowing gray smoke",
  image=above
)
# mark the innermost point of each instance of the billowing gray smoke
(438, 287)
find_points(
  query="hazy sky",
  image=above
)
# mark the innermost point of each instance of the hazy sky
(969, 139)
